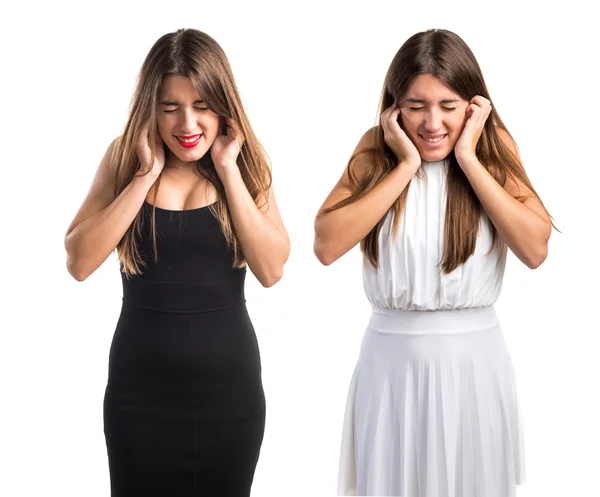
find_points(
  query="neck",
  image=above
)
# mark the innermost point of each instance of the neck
(434, 162)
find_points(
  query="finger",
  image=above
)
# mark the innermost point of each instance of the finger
(384, 125)
(471, 115)
(384, 117)
(485, 107)
(389, 117)
(477, 120)
(240, 140)
(231, 124)
(481, 101)
(232, 134)
(394, 115)
(484, 104)
(238, 137)
(475, 111)
(387, 111)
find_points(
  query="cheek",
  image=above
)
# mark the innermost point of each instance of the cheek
(458, 121)
(410, 122)
(163, 126)
(212, 126)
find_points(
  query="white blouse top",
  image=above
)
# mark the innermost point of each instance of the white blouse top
(408, 276)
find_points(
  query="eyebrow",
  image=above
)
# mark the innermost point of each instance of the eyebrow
(169, 102)
(421, 101)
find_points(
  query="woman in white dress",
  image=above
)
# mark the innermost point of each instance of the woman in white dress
(434, 195)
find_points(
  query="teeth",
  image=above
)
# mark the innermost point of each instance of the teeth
(434, 140)
(187, 140)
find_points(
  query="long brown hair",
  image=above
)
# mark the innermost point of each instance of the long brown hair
(191, 53)
(445, 55)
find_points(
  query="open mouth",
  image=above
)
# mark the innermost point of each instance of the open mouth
(189, 141)
(433, 140)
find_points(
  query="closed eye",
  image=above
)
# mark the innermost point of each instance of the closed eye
(169, 111)
(449, 109)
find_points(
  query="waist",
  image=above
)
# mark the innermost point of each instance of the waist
(184, 297)
(398, 321)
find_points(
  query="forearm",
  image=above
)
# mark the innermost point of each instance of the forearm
(90, 243)
(338, 231)
(265, 247)
(524, 231)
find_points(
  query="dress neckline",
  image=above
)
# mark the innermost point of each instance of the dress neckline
(152, 206)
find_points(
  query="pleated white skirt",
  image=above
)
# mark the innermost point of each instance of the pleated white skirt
(432, 408)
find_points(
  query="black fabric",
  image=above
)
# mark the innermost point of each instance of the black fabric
(184, 408)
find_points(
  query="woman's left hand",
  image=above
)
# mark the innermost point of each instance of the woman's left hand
(226, 147)
(476, 115)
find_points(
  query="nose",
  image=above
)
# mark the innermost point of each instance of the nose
(187, 121)
(433, 120)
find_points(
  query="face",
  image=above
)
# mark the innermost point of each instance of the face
(185, 123)
(433, 117)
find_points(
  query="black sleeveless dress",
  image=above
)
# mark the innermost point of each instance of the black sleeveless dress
(184, 408)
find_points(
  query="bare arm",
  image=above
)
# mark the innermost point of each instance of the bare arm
(102, 220)
(524, 226)
(338, 231)
(260, 231)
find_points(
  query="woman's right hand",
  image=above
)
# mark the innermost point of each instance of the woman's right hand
(397, 140)
(144, 153)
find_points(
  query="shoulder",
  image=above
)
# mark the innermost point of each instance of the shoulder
(507, 140)
(106, 164)
(368, 139)
(109, 154)
(362, 158)
(366, 148)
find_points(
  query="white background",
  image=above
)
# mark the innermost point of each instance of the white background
(310, 75)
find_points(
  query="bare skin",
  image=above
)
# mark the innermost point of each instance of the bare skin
(103, 219)
(435, 122)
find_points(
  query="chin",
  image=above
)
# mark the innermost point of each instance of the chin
(189, 155)
(434, 155)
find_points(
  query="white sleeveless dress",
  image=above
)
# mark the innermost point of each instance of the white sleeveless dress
(432, 407)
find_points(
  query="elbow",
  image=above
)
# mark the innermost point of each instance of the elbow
(73, 262)
(269, 280)
(539, 250)
(76, 271)
(270, 271)
(536, 260)
(324, 253)
(275, 273)
(320, 247)
(324, 258)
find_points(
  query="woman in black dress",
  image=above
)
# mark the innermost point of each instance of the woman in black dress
(185, 196)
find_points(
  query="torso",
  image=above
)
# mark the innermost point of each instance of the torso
(409, 276)
(182, 189)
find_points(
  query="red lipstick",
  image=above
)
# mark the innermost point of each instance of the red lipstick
(189, 141)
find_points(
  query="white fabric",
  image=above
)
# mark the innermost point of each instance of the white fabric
(409, 276)
(432, 407)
